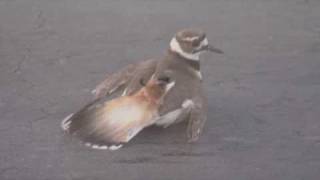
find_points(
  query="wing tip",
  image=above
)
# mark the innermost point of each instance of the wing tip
(65, 123)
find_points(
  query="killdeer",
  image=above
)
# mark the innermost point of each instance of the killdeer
(186, 100)
(108, 124)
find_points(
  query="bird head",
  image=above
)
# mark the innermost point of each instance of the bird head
(190, 43)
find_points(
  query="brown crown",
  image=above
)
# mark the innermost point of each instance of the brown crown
(189, 39)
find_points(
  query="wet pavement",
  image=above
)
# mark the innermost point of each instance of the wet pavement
(264, 93)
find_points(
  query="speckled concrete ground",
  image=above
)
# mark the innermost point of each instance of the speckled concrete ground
(264, 93)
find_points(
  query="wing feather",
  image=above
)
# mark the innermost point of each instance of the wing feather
(126, 79)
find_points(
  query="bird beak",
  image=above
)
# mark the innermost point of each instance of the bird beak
(213, 49)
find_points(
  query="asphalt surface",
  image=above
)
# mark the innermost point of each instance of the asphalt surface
(264, 93)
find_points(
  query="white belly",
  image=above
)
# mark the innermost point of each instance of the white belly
(172, 116)
(169, 118)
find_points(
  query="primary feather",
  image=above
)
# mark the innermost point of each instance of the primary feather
(107, 123)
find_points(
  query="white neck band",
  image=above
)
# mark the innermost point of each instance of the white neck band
(175, 47)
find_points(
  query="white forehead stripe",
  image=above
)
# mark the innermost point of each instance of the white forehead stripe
(175, 47)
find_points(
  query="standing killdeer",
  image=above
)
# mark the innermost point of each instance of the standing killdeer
(108, 124)
(186, 100)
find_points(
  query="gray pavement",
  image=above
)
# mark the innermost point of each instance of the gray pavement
(264, 93)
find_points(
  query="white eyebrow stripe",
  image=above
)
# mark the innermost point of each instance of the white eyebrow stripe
(190, 39)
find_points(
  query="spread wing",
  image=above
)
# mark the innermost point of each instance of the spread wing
(126, 79)
(81, 124)
(106, 124)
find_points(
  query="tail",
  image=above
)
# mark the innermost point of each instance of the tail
(92, 126)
